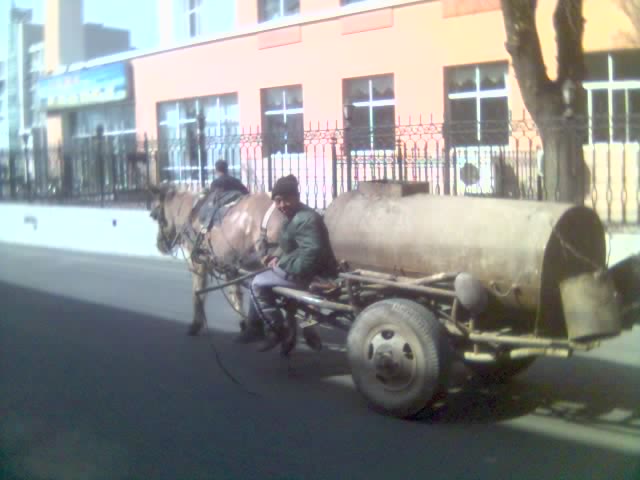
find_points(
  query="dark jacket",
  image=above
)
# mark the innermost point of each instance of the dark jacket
(227, 183)
(305, 248)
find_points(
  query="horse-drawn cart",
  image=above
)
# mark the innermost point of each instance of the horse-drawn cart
(427, 279)
(495, 283)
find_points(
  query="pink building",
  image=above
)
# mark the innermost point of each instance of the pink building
(287, 68)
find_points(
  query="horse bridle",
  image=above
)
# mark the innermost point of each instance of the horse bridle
(158, 214)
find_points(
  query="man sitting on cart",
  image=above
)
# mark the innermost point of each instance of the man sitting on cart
(303, 252)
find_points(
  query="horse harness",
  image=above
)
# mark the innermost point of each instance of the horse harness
(196, 237)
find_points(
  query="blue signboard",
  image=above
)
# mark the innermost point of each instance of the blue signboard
(91, 86)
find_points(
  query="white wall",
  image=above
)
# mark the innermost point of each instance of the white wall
(99, 230)
(133, 232)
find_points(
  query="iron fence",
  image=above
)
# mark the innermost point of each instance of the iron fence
(496, 159)
(94, 170)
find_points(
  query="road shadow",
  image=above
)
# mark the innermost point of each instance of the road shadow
(91, 391)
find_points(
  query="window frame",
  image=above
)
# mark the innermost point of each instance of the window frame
(196, 13)
(478, 95)
(611, 86)
(284, 112)
(186, 167)
(281, 10)
(371, 104)
(112, 114)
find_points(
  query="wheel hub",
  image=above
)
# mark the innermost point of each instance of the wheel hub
(391, 358)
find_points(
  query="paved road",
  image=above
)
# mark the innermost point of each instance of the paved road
(99, 381)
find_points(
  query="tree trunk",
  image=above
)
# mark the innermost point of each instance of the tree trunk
(565, 172)
(564, 169)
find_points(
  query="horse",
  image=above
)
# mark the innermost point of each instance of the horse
(248, 229)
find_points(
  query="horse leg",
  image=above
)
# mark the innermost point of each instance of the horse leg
(199, 281)
(235, 295)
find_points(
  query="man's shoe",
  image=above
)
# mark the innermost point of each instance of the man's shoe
(249, 335)
(272, 339)
(312, 339)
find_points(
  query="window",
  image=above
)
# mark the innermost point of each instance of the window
(273, 9)
(193, 17)
(373, 116)
(282, 121)
(178, 135)
(613, 96)
(478, 106)
(116, 119)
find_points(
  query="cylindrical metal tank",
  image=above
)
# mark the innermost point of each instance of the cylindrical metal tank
(520, 250)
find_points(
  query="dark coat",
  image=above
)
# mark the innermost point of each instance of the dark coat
(227, 183)
(305, 248)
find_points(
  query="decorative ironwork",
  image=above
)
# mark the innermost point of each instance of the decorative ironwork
(105, 169)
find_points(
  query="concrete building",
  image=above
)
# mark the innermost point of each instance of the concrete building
(15, 79)
(28, 52)
(20, 37)
(69, 41)
(64, 33)
(4, 103)
(101, 41)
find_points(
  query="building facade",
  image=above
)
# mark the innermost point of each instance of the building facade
(287, 67)
(16, 78)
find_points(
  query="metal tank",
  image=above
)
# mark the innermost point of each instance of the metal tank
(521, 251)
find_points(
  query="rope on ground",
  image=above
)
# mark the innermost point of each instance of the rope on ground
(215, 351)
(221, 365)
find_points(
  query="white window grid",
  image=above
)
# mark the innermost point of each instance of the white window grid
(113, 122)
(610, 86)
(480, 94)
(370, 104)
(193, 11)
(175, 156)
(109, 133)
(281, 9)
(285, 112)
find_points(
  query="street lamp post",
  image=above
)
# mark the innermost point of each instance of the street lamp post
(202, 150)
(27, 174)
(347, 116)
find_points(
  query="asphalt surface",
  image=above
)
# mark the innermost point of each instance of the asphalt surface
(99, 381)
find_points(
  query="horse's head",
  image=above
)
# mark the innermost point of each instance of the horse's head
(163, 194)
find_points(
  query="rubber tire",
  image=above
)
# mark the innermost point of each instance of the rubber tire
(501, 371)
(429, 344)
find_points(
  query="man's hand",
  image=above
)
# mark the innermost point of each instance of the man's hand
(270, 261)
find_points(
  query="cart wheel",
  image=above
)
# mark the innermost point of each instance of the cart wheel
(501, 371)
(399, 356)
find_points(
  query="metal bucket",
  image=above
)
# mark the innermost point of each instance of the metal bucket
(591, 307)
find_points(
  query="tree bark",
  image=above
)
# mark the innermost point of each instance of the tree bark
(564, 171)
